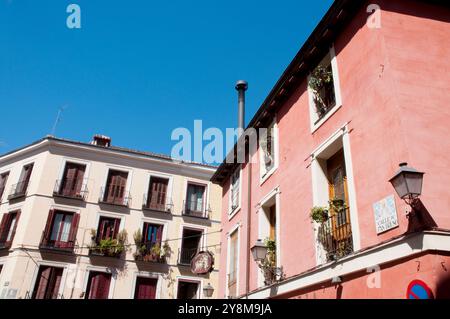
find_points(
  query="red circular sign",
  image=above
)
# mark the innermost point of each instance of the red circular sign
(202, 263)
(417, 289)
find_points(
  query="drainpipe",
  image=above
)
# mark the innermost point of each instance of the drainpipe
(241, 87)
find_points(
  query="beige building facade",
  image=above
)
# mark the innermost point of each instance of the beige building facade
(90, 220)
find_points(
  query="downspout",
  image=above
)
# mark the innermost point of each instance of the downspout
(241, 87)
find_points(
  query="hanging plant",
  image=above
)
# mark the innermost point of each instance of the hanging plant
(319, 214)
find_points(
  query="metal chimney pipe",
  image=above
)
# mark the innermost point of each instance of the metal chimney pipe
(241, 87)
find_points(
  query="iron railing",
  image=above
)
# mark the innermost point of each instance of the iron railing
(196, 209)
(115, 195)
(18, 190)
(185, 255)
(49, 244)
(71, 188)
(157, 201)
(335, 235)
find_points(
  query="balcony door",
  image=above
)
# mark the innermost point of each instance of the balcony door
(190, 245)
(24, 180)
(187, 290)
(48, 283)
(195, 199)
(108, 228)
(98, 285)
(145, 288)
(72, 181)
(157, 193)
(338, 195)
(115, 187)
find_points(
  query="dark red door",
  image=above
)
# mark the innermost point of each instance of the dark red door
(145, 288)
(98, 285)
(116, 184)
(73, 180)
(47, 283)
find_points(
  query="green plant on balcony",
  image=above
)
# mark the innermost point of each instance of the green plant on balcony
(319, 214)
(150, 252)
(337, 205)
(110, 247)
(269, 265)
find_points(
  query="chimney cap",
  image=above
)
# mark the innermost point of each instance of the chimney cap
(101, 140)
(241, 85)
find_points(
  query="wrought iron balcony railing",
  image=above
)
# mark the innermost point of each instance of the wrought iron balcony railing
(47, 243)
(115, 195)
(18, 190)
(150, 252)
(185, 255)
(196, 209)
(71, 188)
(335, 235)
(157, 202)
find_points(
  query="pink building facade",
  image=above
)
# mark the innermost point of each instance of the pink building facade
(334, 146)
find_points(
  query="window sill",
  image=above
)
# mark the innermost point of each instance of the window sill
(234, 213)
(315, 126)
(267, 175)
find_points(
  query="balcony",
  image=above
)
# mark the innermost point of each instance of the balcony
(107, 248)
(157, 202)
(56, 245)
(71, 188)
(114, 195)
(335, 235)
(18, 190)
(185, 255)
(151, 252)
(193, 209)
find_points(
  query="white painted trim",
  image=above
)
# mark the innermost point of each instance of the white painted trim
(55, 264)
(190, 279)
(147, 274)
(337, 91)
(203, 229)
(235, 228)
(396, 250)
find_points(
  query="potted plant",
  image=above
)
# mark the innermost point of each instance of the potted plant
(320, 78)
(110, 247)
(337, 205)
(319, 214)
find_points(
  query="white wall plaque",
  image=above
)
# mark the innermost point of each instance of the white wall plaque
(385, 214)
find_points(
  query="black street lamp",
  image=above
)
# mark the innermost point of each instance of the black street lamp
(407, 182)
(208, 290)
(259, 251)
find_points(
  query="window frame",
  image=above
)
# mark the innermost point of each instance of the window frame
(315, 122)
(232, 211)
(236, 229)
(264, 174)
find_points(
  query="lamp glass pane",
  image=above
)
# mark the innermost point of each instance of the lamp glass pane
(399, 184)
(414, 183)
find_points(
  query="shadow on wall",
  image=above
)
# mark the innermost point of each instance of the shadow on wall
(443, 288)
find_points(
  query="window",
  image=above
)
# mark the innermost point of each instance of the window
(190, 245)
(157, 194)
(20, 189)
(48, 283)
(152, 233)
(72, 182)
(108, 228)
(188, 290)
(334, 238)
(3, 180)
(115, 190)
(268, 156)
(235, 191)
(233, 263)
(145, 288)
(323, 88)
(98, 285)
(8, 228)
(60, 230)
(195, 200)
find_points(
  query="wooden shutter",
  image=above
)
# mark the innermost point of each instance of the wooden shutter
(116, 187)
(159, 234)
(25, 180)
(48, 228)
(42, 282)
(73, 230)
(158, 193)
(4, 227)
(99, 286)
(145, 288)
(55, 283)
(116, 228)
(272, 222)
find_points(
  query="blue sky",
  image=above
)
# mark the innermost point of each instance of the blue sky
(138, 69)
